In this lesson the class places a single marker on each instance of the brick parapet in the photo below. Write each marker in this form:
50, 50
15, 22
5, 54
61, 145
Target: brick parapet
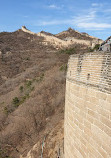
93, 69
88, 106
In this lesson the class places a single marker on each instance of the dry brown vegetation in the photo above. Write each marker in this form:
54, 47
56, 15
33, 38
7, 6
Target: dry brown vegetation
32, 93
72, 33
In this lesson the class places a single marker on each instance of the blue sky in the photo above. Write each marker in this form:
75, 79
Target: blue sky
91, 16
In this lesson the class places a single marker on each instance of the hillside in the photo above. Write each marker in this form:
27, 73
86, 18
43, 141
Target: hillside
74, 34
32, 93
18, 51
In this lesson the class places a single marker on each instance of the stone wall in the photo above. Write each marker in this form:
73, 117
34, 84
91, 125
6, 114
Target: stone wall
56, 42
26, 30
88, 106
61, 43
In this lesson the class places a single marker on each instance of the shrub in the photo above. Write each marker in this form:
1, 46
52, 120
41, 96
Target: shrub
27, 58
26, 91
91, 50
68, 51
6, 111
16, 102
28, 83
42, 76
63, 67
96, 46
21, 88
24, 98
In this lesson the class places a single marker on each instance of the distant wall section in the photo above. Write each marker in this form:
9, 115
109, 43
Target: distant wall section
61, 43
88, 106
26, 30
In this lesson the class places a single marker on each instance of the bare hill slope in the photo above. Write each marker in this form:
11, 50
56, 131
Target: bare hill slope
73, 33
32, 92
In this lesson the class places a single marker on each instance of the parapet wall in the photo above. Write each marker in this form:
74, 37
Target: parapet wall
88, 106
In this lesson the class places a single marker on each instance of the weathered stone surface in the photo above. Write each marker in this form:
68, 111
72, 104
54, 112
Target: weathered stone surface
88, 106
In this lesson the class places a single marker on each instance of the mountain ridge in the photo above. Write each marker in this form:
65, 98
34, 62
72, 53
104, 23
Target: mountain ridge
67, 38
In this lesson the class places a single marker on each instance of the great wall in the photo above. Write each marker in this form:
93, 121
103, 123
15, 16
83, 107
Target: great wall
62, 43
88, 106
87, 119
87, 126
